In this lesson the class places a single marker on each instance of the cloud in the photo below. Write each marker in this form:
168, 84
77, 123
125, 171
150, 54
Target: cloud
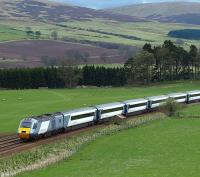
100, 4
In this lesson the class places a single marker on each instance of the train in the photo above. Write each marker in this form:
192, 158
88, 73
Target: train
36, 127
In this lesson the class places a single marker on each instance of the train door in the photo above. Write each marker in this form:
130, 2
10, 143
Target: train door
53, 123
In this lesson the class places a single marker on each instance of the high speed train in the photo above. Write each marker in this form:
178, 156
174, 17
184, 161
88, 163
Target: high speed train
35, 127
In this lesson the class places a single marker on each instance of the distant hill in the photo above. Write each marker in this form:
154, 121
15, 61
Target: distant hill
43, 10
172, 12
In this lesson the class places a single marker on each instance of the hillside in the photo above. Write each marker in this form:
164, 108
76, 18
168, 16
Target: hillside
76, 24
175, 12
47, 11
22, 54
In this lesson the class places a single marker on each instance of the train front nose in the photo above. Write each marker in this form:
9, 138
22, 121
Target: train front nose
24, 133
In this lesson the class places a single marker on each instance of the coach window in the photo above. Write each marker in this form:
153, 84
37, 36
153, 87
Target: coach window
112, 110
82, 116
194, 95
137, 105
181, 97
159, 101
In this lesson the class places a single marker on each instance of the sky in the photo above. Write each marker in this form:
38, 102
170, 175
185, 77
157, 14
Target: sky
100, 4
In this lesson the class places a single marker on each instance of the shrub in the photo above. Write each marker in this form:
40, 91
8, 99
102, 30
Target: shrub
171, 108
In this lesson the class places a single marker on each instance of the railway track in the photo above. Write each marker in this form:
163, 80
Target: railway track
8, 143
12, 144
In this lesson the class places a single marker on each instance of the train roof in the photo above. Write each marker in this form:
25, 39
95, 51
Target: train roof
109, 105
135, 101
177, 94
193, 92
159, 97
44, 117
79, 110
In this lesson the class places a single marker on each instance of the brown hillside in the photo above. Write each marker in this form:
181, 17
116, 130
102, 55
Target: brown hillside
34, 53
54, 12
178, 12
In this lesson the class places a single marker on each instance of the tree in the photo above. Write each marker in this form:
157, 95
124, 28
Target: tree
54, 35
192, 55
139, 69
131, 70
70, 76
171, 108
146, 61
38, 34
30, 33
147, 47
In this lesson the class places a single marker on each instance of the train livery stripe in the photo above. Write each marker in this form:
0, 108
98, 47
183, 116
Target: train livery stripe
44, 127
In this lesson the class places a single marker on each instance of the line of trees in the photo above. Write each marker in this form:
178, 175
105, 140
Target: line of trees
61, 77
102, 76
161, 63
33, 34
185, 34
151, 64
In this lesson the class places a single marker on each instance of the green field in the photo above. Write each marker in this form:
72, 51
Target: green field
18, 104
154, 32
165, 148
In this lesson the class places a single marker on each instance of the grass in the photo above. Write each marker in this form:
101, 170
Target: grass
148, 31
155, 32
18, 104
7, 33
164, 148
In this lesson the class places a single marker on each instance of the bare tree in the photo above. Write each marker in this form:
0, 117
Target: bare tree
54, 35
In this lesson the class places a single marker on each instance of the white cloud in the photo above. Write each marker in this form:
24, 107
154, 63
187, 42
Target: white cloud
98, 4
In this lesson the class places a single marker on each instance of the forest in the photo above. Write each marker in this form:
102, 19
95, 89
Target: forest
152, 64
193, 34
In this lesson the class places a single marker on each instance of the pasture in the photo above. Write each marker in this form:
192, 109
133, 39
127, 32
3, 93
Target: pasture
164, 148
18, 104
98, 30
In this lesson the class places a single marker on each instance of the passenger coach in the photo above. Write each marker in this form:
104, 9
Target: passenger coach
79, 117
157, 101
135, 106
109, 110
193, 96
179, 97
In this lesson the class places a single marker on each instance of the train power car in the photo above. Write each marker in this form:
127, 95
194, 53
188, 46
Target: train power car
40, 126
156, 101
193, 96
79, 117
135, 106
106, 111
178, 97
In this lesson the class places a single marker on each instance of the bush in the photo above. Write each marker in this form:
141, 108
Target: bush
171, 108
